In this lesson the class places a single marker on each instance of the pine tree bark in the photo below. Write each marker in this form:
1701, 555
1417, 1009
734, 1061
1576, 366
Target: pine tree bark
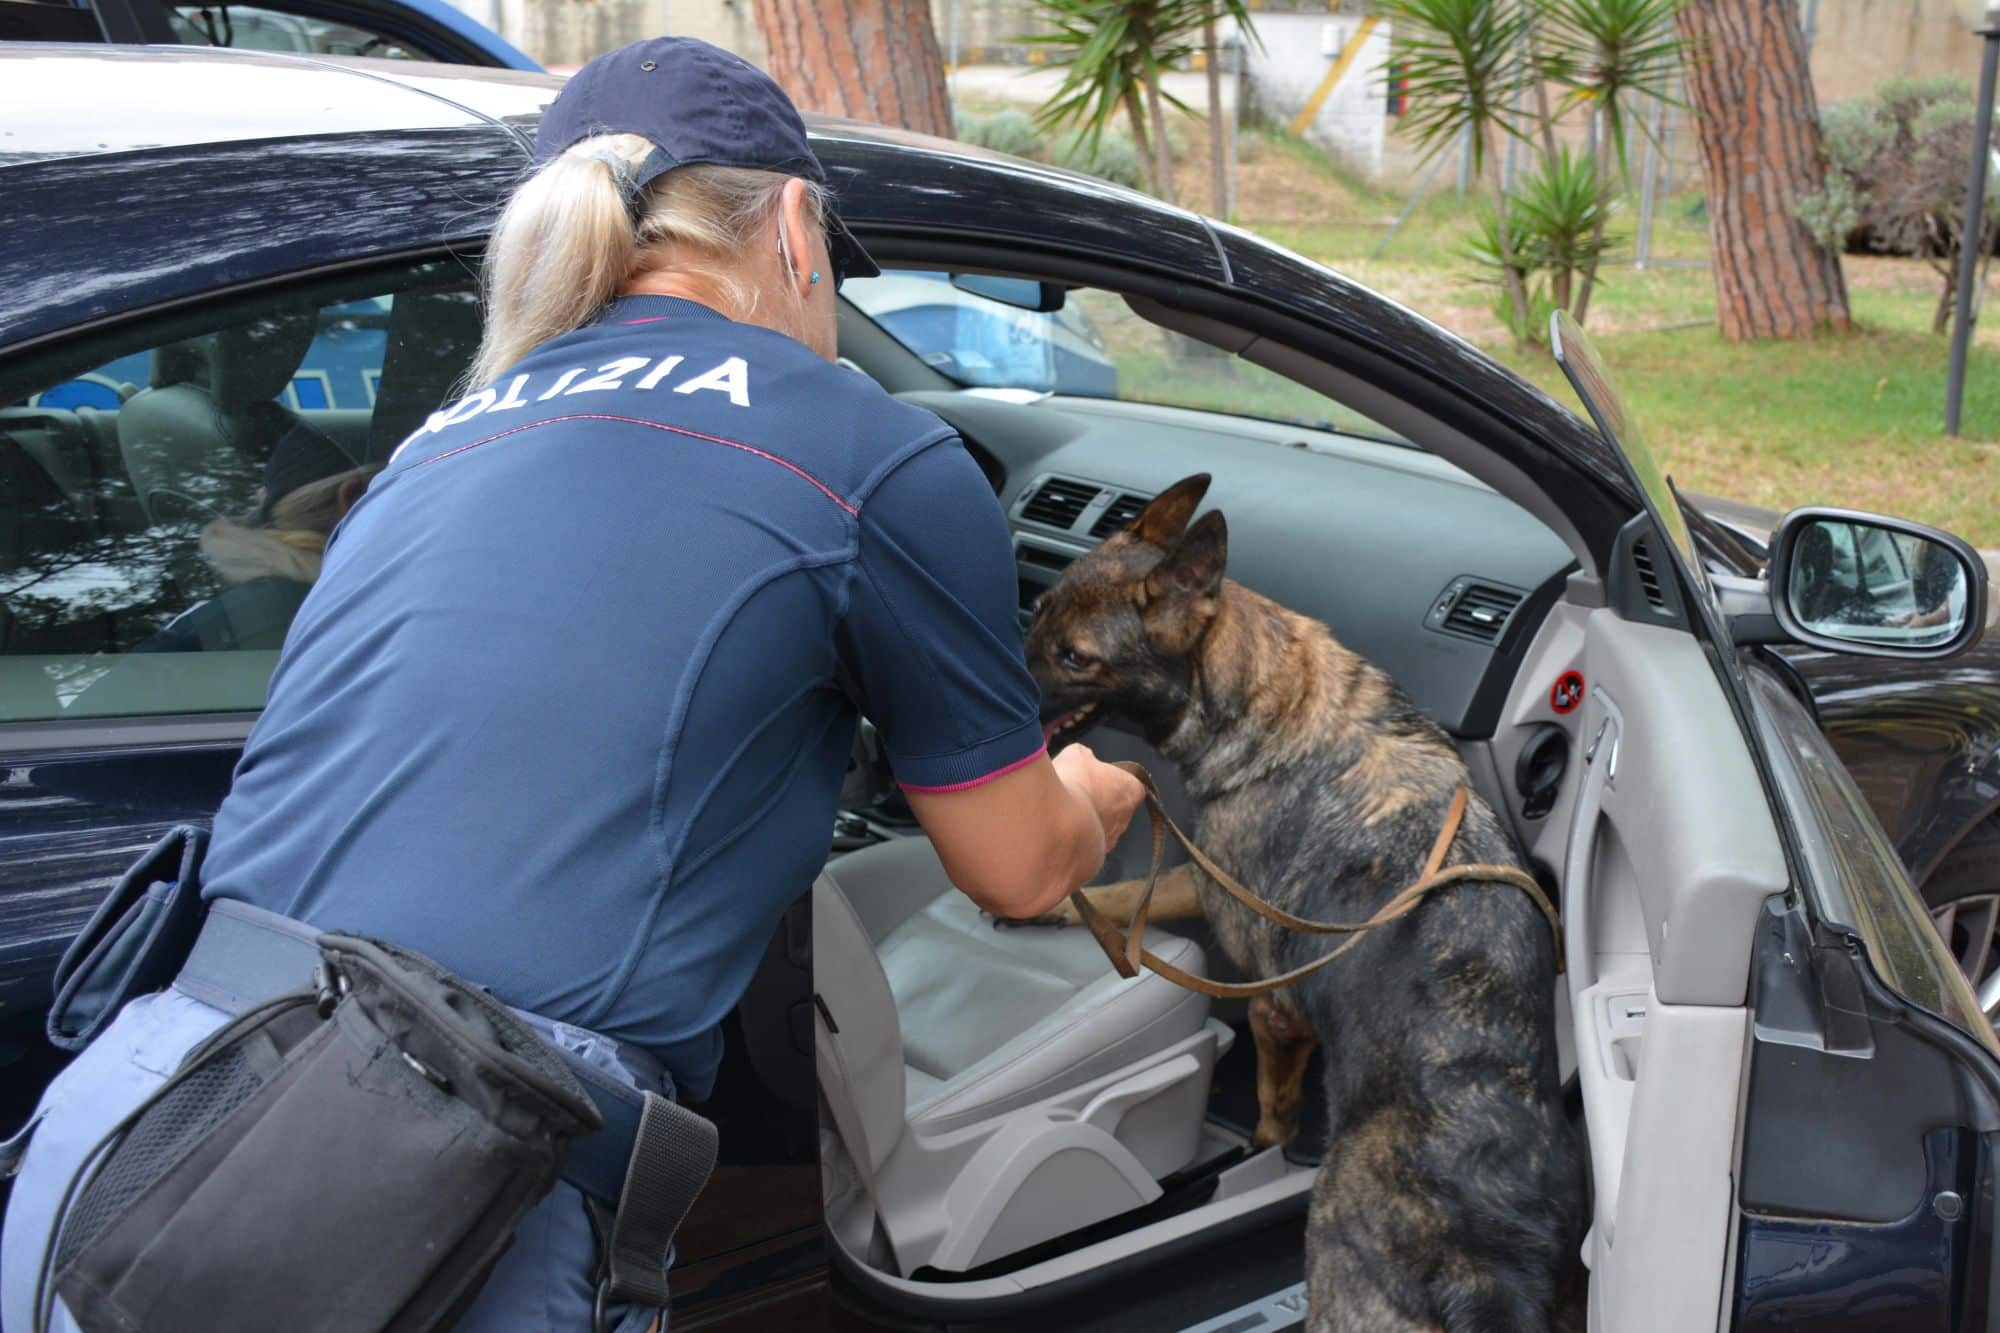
1751, 89
865, 59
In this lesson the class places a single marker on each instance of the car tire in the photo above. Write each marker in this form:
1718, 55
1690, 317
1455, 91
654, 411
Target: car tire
1963, 895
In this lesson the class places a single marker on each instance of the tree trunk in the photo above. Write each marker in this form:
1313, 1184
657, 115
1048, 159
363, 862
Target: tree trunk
1503, 234
1605, 195
1218, 166
1142, 143
866, 59
1942, 264
1163, 160
1751, 90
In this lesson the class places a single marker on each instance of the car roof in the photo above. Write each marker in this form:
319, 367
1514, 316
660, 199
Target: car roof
60, 99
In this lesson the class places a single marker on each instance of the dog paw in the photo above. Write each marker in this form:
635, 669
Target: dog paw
1063, 916
1271, 1133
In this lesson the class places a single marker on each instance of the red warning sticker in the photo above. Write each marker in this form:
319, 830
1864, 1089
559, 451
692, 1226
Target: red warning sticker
1567, 692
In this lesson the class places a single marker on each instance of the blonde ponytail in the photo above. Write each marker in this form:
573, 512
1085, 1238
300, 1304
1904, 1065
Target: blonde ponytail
566, 243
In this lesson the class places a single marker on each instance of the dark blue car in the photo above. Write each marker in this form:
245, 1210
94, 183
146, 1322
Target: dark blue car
1742, 770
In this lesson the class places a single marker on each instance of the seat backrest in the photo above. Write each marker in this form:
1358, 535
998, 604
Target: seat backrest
195, 443
857, 1040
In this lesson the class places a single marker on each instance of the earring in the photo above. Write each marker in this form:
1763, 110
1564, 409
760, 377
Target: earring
815, 276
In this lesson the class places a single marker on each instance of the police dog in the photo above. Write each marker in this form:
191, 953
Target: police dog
1451, 1193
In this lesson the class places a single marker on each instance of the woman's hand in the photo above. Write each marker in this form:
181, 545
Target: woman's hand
1113, 793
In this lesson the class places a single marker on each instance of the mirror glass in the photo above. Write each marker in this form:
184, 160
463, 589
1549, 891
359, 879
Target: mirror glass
1860, 583
1021, 293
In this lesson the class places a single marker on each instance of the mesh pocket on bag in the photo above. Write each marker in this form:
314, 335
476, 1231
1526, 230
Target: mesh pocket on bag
162, 1136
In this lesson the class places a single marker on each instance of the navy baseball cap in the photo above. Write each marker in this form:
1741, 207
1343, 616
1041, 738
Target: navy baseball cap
696, 103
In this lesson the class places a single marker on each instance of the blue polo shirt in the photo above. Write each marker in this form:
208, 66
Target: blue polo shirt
570, 705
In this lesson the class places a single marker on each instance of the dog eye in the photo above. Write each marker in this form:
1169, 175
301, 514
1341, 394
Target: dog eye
1075, 660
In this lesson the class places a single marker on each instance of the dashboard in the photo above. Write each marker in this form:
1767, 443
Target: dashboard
1427, 572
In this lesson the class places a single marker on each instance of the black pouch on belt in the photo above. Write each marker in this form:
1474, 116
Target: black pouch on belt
134, 942
351, 1157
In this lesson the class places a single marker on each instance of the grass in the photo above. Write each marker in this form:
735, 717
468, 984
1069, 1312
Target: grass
1851, 420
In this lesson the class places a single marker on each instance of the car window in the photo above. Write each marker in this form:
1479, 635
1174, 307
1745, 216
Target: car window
1096, 346
165, 497
256, 29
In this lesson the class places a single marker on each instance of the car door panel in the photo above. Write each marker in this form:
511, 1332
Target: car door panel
70, 825
1668, 855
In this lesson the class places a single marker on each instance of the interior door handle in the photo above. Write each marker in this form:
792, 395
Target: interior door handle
1600, 763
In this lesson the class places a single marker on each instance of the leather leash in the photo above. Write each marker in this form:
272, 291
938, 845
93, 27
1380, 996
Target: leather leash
1128, 953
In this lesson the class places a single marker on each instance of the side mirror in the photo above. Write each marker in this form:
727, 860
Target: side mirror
1880, 587
1022, 293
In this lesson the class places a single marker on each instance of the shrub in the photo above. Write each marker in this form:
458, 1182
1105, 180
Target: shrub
1004, 132
1559, 220
1115, 159
1895, 177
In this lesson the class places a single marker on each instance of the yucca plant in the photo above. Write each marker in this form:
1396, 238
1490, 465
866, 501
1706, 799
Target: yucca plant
1470, 67
1608, 55
1113, 53
1559, 218
1462, 70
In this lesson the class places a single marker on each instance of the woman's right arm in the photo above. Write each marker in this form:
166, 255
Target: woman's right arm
1019, 844
931, 645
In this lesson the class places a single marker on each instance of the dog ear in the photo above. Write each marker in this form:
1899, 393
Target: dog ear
1193, 567
1178, 599
1167, 516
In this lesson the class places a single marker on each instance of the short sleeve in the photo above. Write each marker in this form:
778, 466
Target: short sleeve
931, 644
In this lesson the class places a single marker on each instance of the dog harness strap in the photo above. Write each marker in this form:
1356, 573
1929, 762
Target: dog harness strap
1127, 952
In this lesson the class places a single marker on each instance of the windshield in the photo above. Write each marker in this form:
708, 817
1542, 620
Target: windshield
1095, 346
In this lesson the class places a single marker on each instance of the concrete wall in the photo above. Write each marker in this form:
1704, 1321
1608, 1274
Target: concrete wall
1859, 43
1299, 50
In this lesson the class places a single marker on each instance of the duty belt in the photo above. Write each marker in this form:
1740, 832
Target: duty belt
646, 1165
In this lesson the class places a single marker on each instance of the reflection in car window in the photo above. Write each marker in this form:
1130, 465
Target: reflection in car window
1096, 346
165, 499
255, 29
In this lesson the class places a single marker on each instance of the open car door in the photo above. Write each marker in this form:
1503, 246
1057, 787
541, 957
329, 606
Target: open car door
1791, 1093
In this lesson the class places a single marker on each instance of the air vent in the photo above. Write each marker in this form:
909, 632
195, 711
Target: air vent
1649, 577
1035, 555
1118, 516
1473, 609
1059, 503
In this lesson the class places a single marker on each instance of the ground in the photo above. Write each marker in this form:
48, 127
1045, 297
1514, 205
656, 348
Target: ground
1850, 420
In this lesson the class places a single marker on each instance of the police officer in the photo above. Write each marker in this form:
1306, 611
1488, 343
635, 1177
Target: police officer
569, 707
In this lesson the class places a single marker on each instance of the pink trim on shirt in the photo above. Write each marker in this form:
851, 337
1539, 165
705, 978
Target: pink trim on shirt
768, 457
649, 319
1022, 762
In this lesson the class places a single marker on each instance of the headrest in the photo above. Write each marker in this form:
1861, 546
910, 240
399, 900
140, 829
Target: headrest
302, 455
247, 363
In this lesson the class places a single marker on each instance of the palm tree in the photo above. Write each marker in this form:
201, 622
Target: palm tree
1113, 53
1462, 68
